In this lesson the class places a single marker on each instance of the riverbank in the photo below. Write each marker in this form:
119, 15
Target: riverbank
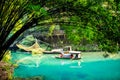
96, 56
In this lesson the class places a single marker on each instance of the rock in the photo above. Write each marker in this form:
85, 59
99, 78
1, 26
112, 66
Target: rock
105, 55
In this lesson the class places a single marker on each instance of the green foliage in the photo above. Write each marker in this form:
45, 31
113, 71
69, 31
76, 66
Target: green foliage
83, 20
7, 57
7, 66
18, 26
88, 33
28, 40
37, 9
57, 27
72, 34
76, 33
12, 12
109, 46
51, 29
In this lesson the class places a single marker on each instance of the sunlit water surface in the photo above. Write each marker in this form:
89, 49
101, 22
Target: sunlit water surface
64, 69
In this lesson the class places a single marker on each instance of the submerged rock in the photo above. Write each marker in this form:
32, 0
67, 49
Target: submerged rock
105, 55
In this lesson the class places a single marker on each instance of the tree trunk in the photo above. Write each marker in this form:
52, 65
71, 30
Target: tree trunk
5, 46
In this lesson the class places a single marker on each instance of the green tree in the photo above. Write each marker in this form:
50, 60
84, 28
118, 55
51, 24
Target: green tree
15, 17
93, 20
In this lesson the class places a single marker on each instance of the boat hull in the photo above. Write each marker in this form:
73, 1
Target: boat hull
67, 58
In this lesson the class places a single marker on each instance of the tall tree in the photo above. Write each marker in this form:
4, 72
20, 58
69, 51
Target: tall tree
12, 11
88, 19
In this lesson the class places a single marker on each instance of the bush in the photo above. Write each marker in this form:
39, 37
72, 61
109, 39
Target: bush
6, 68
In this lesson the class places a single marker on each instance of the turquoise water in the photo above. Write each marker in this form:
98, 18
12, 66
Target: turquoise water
62, 69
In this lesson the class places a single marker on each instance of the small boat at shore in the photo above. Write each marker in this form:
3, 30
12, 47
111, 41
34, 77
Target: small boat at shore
69, 54
68, 58
65, 53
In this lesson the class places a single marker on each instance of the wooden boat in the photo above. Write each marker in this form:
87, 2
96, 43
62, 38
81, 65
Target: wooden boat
65, 53
69, 54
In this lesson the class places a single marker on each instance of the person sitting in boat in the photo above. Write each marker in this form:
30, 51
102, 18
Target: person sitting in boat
76, 56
